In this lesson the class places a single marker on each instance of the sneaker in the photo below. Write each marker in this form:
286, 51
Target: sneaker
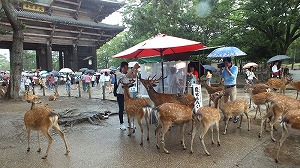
122, 127
235, 120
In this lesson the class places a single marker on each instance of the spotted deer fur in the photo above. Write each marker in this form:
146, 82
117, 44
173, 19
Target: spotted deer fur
41, 118
296, 86
234, 108
207, 117
290, 121
136, 107
169, 114
161, 98
280, 84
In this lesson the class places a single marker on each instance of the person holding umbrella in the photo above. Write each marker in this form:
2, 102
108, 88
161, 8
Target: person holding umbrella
229, 72
208, 76
275, 70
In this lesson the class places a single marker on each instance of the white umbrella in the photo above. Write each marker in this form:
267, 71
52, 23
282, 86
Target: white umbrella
250, 64
66, 70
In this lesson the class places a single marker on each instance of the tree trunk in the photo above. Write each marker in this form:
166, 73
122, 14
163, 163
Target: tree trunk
16, 63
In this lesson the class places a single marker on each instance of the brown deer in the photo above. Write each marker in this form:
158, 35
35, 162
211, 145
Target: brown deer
169, 114
207, 116
296, 86
280, 84
53, 97
234, 108
258, 94
136, 107
29, 97
291, 120
161, 98
211, 90
279, 106
41, 118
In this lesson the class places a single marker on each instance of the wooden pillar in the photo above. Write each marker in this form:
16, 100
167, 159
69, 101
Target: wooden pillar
49, 57
73, 58
94, 54
41, 58
61, 61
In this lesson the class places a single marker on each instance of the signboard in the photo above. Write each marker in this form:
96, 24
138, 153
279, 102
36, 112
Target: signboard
33, 7
198, 96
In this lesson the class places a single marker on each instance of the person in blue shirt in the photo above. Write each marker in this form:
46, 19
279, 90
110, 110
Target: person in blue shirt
229, 72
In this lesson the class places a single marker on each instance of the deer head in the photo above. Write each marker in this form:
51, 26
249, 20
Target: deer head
150, 83
129, 84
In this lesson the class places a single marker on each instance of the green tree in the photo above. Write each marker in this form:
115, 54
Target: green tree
4, 63
29, 61
276, 20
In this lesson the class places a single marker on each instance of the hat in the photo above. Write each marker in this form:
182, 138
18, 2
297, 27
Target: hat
228, 59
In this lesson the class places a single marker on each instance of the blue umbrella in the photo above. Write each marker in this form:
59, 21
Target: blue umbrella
226, 52
209, 67
278, 58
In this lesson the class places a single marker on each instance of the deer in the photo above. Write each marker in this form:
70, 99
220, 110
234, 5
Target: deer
169, 114
208, 117
161, 98
279, 106
40, 118
53, 97
29, 97
296, 86
211, 90
136, 107
280, 84
290, 121
233, 109
258, 94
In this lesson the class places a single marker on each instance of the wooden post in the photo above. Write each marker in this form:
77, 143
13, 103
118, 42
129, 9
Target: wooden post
56, 89
89, 90
44, 89
69, 90
103, 92
79, 90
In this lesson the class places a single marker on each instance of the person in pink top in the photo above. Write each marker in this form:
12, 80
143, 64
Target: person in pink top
87, 80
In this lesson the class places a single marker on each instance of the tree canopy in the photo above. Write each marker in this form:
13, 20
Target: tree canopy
261, 28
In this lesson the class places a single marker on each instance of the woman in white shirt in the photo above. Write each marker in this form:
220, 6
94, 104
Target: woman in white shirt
251, 75
275, 70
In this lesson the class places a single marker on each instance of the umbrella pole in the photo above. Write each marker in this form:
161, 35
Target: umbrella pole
162, 71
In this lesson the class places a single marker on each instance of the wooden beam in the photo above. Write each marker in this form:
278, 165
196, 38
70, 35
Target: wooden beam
67, 2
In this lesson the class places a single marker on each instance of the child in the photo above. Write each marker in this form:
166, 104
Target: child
208, 77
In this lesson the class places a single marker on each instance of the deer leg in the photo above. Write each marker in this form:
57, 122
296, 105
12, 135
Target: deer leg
47, 135
147, 122
212, 134
62, 135
139, 119
164, 129
297, 95
248, 118
28, 139
226, 125
182, 134
264, 118
129, 123
156, 133
202, 134
218, 133
284, 135
241, 120
196, 127
39, 144
272, 122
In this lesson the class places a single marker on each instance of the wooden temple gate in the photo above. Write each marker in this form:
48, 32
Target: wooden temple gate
71, 27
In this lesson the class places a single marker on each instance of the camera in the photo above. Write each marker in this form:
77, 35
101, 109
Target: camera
221, 65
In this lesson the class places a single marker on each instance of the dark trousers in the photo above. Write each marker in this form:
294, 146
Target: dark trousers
120, 99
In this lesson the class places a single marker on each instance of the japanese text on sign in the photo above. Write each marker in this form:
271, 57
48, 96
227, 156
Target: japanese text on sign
33, 7
198, 96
